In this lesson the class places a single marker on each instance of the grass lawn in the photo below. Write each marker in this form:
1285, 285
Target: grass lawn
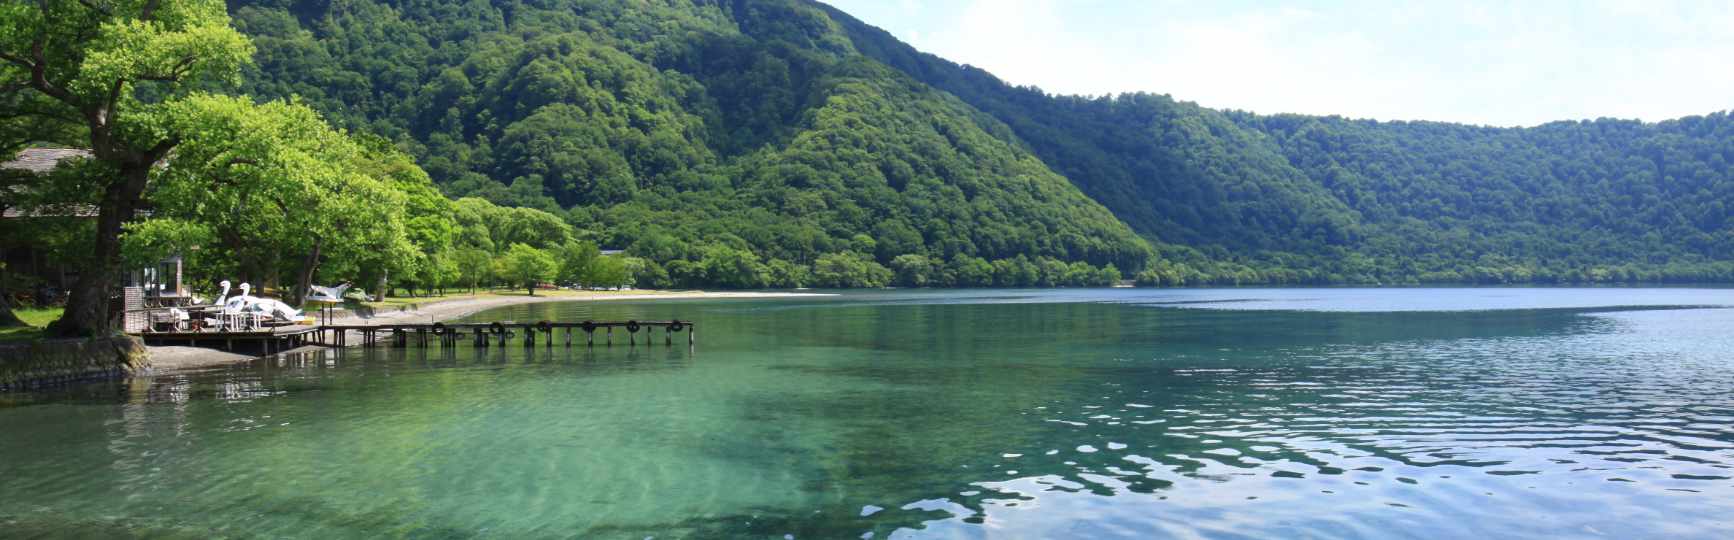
36, 318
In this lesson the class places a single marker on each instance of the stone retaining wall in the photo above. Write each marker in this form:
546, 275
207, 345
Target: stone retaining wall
59, 361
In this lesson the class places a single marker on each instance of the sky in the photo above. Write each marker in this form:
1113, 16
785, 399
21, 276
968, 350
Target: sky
1509, 63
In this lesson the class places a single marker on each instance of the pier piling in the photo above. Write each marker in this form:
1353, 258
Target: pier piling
448, 335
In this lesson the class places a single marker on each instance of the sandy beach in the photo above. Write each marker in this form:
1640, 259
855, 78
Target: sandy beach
166, 359
454, 307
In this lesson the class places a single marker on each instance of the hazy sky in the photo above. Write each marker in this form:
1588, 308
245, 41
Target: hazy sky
1517, 62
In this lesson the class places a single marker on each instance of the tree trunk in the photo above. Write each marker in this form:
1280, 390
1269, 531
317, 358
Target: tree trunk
7, 318
532, 288
87, 307
304, 281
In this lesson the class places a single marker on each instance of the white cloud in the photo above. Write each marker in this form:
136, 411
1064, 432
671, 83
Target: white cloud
1518, 63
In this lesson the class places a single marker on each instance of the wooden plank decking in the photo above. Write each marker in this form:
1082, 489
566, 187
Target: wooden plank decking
269, 339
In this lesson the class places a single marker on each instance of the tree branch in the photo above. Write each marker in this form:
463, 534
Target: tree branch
112, 101
17, 114
162, 148
39, 73
175, 73
96, 8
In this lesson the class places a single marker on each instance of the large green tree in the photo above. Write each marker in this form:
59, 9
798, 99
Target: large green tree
110, 69
278, 189
527, 266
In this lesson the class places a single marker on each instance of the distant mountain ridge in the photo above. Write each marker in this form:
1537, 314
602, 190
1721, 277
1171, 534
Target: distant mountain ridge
1379, 201
790, 129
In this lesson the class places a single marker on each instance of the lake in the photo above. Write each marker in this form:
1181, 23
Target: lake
1223, 413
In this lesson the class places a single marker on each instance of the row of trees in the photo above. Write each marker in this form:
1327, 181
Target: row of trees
721, 265
725, 266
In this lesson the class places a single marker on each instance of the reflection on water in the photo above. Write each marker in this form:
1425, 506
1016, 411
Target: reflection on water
1242, 413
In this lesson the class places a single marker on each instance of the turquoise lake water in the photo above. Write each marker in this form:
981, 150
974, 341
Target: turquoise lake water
1255, 413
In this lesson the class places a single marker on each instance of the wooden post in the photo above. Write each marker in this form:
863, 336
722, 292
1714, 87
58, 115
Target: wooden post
589, 338
667, 337
610, 336
568, 336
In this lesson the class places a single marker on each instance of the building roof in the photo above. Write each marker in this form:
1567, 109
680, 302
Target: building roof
68, 210
41, 160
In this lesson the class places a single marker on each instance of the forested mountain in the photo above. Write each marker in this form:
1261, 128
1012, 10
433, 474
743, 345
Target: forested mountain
670, 129
793, 134
1303, 198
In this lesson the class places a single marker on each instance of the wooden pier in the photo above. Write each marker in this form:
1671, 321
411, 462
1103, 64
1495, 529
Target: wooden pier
500, 332
268, 340
282, 338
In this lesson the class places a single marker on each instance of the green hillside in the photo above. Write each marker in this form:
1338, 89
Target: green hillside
1301, 198
788, 131
670, 129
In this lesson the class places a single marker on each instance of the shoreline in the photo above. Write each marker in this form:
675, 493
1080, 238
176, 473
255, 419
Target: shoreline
171, 359
453, 307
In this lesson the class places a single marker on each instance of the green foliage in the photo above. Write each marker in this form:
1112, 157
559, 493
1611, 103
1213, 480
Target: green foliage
475, 266
849, 270
913, 270
109, 77
727, 266
610, 272
670, 129
62, 241
527, 267
752, 144
578, 261
783, 274
273, 181
1237, 198
148, 241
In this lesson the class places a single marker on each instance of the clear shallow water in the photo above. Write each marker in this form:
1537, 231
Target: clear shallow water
1347, 413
